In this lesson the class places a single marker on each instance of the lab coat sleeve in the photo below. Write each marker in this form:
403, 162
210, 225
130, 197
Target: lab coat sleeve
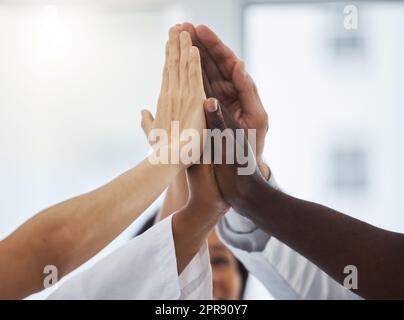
285, 273
144, 268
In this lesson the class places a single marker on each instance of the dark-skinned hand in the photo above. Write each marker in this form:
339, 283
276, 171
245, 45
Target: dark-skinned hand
234, 187
226, 79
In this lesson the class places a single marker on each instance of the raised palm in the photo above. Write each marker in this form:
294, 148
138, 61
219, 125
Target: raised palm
226, 79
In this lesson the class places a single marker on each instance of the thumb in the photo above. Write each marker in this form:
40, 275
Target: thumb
214, 115
147, 122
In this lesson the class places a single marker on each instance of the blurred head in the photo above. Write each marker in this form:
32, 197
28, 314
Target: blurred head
229, 275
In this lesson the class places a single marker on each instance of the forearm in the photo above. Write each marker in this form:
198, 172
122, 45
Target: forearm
68, 234
332, 240
176, 196
191, 228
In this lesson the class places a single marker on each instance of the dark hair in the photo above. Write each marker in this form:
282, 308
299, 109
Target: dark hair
243, 271
244, 277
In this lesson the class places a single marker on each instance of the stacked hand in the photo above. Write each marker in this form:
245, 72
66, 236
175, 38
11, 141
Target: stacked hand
181, 98
225, 78
188, 74
236, 189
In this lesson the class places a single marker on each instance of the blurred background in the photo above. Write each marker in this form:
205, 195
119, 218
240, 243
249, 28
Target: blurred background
74, 75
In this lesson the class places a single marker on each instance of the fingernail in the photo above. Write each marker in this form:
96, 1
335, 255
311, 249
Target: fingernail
193, 50
212, 107
183, 35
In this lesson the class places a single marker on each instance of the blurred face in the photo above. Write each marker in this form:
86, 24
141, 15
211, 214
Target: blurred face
227, 280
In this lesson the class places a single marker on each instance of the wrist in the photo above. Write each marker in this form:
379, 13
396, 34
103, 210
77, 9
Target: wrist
190, 234
253, 194
203, 216
164, 156
195, 222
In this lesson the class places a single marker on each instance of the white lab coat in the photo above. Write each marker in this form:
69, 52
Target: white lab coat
285, 273
144, 268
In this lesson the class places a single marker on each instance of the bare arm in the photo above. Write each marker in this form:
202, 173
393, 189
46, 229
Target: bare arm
224, 77
333, 240
193, 196
194, 222
176, 196
68, 234
328, 238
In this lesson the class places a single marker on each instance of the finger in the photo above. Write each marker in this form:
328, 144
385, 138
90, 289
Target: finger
189, 27
210, 72
185, 45
195, 69
164, 83
211, 104
231, 67
248, 92
223, 56
218, 118
173, 57
214, 115
241, 79
208, 63
215, 121
147, 122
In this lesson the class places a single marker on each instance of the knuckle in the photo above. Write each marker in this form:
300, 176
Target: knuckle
193, 72
264, 119
252, 86
263, 122
183, 64
173, 62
